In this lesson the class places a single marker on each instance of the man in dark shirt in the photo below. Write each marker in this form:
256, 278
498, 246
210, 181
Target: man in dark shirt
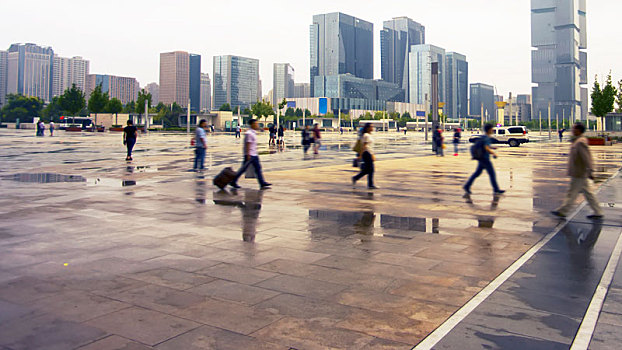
130, 133
484, 163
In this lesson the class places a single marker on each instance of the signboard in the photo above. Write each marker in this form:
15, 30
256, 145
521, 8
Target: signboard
323, 105
291, 104
420, 113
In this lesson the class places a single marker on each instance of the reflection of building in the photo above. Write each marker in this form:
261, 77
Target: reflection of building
396, 38
456, 86
4, 55
67, 72
421, 59
29, 70
559, 61
283, 80
482, 95
302, 90
154, 90
123, 88
236, 81
206, 92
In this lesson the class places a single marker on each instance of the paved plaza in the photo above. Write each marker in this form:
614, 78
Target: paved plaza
99, 253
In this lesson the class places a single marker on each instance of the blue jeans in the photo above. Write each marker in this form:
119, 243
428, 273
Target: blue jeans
254, 161
482, 165
129, 143
199, 158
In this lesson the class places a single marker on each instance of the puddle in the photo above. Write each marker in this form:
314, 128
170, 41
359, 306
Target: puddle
45, 178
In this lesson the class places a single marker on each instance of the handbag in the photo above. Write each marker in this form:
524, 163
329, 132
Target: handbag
250, 172
358, 146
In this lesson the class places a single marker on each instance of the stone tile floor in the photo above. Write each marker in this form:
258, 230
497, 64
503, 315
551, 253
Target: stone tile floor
97, 253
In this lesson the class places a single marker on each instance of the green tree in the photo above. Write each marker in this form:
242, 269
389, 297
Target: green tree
114, 106
22, 107
161, 106
140, 102
72, 100
307, 113
290, 112
129, 107
603, 99
299, 112
619, 97
97, 100
379, 115
407, 116
329, 115
53, 110
225, 107
262, 109
246, 111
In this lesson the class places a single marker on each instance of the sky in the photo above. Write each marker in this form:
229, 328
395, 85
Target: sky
126, 37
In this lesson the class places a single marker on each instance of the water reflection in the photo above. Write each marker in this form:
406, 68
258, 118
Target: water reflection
45, 178
250, 206
582, 235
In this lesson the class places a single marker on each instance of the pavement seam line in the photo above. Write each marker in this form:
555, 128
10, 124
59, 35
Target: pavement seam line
441, 331
588, 325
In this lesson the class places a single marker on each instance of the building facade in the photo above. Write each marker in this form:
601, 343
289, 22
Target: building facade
175, 78
283, 80
154, 90
456, 86
350, 87
341, 44
29, 70
302, 90
67, 72
206, 92
236, 81
396, 38
482, 97
421, 58
194, 80
4, 62
559, 61
124, 89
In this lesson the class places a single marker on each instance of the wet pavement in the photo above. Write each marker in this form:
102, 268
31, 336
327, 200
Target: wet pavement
98, 253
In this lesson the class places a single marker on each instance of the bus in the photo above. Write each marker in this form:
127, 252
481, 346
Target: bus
83, 123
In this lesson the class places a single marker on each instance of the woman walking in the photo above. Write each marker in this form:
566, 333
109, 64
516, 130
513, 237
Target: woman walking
130, 133
367, 155
316, 139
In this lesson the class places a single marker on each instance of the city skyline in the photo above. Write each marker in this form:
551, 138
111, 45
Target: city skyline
490, 52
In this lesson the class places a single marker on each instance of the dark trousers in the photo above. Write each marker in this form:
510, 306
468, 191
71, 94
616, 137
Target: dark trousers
130, 146
199, 158
254, 162
367, 169
237, 134
481, 166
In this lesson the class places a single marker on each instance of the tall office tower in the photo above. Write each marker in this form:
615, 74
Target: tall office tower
67, 72
341, 44
259, 90
524, 108
421, 58
206, 92
175, 78
396, 39
123, 88
283, 78
456, 85
4, 61
482, 95
195, 82
29, 70
302, 90
236, 81
559, 59
154, 90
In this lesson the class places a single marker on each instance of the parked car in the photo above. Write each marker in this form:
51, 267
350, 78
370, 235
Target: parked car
512, 135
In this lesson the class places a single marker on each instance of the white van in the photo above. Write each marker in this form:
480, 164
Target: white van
511, 135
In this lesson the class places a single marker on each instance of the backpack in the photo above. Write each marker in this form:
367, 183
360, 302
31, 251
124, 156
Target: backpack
358, 146
478, 152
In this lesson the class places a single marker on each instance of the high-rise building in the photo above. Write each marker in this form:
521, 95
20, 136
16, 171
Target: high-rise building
456, 85
67, 72
302, 90
154, 90
236, 81
396, 38
341, 44
175, 78
559, 61
482, 95
123, 88
283, 78
518, 109
29, 70
194, 80
4, 61
206, 92
421, 58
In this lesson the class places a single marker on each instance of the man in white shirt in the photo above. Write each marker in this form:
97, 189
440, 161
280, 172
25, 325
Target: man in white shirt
200, 139
251, 157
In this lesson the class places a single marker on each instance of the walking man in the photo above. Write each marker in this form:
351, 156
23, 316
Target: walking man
280, 133
130, 133
457, 136
251, 156
51, 128
367, 155
237, 131
580, 169
482, 150
200, 140
561, 134
317, 136
306, 139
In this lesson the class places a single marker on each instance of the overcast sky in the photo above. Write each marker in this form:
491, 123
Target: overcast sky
126, 37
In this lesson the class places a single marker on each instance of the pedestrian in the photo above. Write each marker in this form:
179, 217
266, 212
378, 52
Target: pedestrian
457, 136
366, 154
439, 142
580, 169
306, 139
237, 131
40, 128
130, 134
200, 141
51, 128
280, 133
251, 156
561, 134
316, 139
482, 150
405, 129
272, 130
341, 130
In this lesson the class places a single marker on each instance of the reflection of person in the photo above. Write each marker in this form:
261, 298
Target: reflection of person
200, 138
130, 133
580, 169
367, 155
251, 156
484, 163
250, 213
306, 139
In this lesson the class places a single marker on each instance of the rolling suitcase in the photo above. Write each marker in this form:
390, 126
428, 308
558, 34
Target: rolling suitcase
224, 178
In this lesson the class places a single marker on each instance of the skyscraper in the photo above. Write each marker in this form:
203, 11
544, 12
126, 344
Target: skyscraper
302, 90
283, 78
194, 80
456, 85
236, 81
67, 72
483, 95
175, 78
396, 39
4, 61
421, 58
154, 90
341, 44
559, 61
206, 92
123, 88
29, 70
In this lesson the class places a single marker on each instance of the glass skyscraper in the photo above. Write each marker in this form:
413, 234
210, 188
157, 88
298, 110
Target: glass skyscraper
283, 80
236, 81
341, 44
421, 58
396, 39
559, 61
483, 95
195, 82
456, 85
